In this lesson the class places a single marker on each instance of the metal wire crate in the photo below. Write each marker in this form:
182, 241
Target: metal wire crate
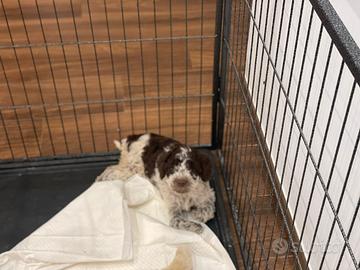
270, 87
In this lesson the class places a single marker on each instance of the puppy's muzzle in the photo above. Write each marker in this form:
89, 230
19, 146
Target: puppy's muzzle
181, 185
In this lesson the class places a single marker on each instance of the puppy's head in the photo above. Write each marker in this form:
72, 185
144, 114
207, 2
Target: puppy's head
183, 168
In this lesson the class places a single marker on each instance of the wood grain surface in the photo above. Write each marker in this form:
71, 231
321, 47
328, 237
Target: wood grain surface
75, 75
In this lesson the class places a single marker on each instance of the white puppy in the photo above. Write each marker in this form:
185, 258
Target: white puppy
180, 173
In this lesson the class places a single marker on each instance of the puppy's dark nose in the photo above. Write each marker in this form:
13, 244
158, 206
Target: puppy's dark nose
181, 182
181, 185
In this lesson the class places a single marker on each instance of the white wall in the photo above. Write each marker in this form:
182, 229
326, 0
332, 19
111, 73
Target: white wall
352, 192
349, 12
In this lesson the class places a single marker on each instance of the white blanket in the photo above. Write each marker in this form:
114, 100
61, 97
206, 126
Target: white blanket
114, 225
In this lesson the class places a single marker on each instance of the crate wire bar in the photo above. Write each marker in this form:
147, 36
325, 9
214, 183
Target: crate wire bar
278, 184
271, 86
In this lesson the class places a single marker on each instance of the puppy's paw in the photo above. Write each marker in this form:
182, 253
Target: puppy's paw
203, 214
195, 227
188, 225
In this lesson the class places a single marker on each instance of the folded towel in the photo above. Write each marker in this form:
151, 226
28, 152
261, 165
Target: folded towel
114, 225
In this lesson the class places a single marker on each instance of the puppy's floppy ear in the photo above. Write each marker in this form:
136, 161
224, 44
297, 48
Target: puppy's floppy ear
200, 164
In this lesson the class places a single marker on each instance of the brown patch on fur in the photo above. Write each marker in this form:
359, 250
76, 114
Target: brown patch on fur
132, 138
154, 153
168, 161
199, 164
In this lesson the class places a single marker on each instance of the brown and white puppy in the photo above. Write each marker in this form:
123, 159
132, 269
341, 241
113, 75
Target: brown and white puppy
181, 174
